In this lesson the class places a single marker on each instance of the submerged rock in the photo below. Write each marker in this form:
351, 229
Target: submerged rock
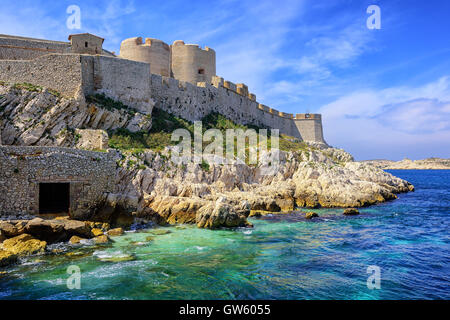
116, 257
115, 232
7, 258
160, 232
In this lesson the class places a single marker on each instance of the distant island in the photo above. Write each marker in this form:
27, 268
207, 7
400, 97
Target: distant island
425, 164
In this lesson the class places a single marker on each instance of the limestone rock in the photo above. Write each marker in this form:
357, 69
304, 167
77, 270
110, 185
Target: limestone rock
24, 245
310, 215
101, 239
351, 212
75, 239
97, 232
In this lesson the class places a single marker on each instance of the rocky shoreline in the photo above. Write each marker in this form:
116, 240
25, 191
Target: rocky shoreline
150, 188
20, 238
407, 164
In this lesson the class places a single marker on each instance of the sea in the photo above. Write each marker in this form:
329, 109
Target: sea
396, 250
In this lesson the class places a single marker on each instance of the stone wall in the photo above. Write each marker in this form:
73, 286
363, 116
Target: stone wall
61, 72
20, 48
120, 79
90, 174
193, 102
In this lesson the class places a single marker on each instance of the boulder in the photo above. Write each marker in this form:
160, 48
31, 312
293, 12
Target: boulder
75, 239
219, 214
351, 212
310, 215
47, 230
115, 232
77, 228
8, 229
7, 258
101, 239
96, 232
24, 244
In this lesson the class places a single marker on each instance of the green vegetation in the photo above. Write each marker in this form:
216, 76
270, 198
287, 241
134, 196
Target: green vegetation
204, 165
164, 123
27, 86
108, 103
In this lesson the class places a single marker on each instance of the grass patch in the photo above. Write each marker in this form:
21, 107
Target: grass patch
108, 103
164, 123
27, 86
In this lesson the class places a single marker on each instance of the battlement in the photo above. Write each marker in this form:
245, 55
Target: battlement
153, 51
179, 78
308, 116
191, 45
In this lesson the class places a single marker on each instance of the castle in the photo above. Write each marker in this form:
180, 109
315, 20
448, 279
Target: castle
179, 78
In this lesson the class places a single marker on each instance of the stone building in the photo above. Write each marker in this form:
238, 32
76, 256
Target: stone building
86, 43
41, 180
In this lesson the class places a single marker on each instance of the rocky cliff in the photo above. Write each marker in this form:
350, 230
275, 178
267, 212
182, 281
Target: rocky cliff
151, 187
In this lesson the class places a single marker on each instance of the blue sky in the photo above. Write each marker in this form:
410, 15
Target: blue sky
383, 93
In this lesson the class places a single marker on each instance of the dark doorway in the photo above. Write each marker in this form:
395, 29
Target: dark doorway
54, 198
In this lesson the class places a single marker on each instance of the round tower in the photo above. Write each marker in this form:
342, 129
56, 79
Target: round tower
153, 51
191, 63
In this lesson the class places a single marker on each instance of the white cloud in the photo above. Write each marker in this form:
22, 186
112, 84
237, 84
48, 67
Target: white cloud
393, 122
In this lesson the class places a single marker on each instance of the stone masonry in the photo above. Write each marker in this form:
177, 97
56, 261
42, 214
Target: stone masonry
191, 91
22, 169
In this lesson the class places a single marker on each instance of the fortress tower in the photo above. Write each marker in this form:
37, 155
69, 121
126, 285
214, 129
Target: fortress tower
153, 51
309, 127
193, 64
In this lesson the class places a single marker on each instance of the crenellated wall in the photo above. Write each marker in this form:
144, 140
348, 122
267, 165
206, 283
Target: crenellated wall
179, 79
193, 102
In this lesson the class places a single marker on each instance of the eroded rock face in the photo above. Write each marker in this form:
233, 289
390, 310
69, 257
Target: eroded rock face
41, 118
168, 194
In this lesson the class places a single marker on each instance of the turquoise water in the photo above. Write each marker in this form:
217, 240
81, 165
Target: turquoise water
283, 257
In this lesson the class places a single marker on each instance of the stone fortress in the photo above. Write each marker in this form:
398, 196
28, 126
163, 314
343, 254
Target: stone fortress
179, 78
